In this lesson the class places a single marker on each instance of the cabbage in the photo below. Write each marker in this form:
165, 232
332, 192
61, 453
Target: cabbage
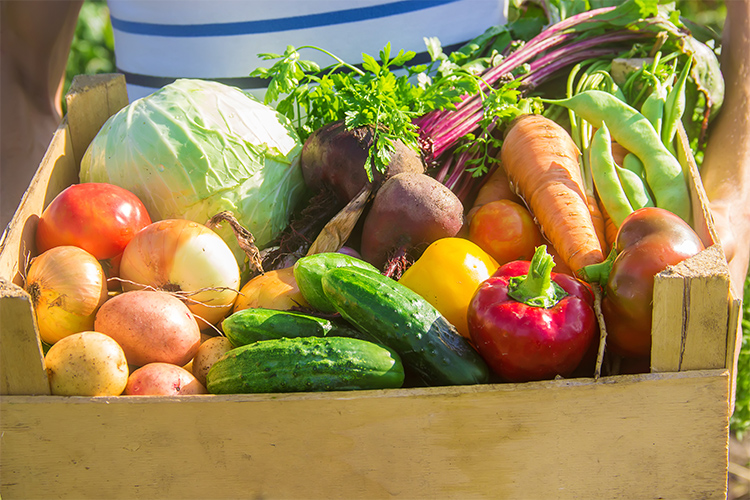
196, 148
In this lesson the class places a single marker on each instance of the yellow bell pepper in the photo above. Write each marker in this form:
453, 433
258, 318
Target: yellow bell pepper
447, 274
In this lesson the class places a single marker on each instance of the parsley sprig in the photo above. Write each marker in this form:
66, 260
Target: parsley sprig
373, 95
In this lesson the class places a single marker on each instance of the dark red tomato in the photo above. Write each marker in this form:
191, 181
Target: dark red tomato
650, 220
98, 217
649, 240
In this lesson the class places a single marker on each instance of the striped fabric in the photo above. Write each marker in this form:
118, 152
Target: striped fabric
157, 41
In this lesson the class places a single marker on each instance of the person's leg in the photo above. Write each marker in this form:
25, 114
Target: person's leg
35, 42
726, 164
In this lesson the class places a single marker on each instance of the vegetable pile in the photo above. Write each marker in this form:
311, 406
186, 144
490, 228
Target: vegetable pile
497, 215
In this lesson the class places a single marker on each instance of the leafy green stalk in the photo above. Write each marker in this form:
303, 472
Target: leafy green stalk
373, 96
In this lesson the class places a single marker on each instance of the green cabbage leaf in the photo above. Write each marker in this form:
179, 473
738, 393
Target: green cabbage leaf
195, 148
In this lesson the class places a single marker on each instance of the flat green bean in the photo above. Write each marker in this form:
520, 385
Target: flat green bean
653, 106
635, 133
674, 107
604, 172
632, 183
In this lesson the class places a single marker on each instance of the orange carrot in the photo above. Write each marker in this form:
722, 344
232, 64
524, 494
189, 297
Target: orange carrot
599, 220
541, 161
610, 230
618, 153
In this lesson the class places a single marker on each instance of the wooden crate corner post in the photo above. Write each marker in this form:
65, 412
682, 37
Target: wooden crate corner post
22, 368
691, 318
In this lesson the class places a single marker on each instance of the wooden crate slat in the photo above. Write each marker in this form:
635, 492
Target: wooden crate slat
646, 436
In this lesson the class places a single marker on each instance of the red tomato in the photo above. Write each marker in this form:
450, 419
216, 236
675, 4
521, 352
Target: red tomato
649, 240
505, 230
100, 218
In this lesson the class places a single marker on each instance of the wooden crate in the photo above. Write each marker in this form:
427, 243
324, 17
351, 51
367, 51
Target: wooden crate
657, 435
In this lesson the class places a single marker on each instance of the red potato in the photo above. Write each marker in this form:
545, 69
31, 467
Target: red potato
163, 379
150, 326
409, 212
335, 157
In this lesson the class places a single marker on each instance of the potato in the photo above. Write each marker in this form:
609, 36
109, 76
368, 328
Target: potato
86, 364
209, 351
162, 379
151, 326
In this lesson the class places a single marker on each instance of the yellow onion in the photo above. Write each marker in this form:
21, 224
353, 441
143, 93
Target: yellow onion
67, 286
185, 258
275, 289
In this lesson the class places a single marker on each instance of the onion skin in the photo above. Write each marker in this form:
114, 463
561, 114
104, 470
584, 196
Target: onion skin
182, 256
275, 289
67, 287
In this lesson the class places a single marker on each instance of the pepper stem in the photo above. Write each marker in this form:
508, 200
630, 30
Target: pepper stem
599, 273
537, 289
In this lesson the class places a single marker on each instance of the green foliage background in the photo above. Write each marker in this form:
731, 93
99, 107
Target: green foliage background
93, 47
92, 52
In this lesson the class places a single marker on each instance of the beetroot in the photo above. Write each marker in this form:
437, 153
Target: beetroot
410, 211
334, 157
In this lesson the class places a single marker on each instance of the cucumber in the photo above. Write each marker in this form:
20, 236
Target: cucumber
305, 364
401, 319
250, 325
309, 270
254, 324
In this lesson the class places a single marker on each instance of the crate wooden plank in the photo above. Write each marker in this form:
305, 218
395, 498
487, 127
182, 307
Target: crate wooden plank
91, 100
56, 172
646, 436
691, 314
21, 361
703, 221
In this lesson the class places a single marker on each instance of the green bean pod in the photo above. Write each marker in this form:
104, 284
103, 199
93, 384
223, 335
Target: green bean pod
653, 107
635, 133
606, 180
674, 107
630, 175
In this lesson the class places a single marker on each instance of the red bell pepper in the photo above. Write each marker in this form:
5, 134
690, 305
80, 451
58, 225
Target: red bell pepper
529, 323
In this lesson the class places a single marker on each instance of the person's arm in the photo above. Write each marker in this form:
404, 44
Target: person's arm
36, 39
726, 165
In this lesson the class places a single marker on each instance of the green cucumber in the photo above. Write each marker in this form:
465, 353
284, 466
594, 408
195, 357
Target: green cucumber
305, 364
309, 270
254, 324
399, 318
250, 325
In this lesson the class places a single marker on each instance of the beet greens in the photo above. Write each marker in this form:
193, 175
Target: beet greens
453, 110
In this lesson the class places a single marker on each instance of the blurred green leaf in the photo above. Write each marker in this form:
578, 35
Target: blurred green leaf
93, 47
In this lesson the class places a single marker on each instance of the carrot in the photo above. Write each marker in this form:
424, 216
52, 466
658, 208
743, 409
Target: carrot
541, 161
495, 187
618, 153
598, 219
610, 230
